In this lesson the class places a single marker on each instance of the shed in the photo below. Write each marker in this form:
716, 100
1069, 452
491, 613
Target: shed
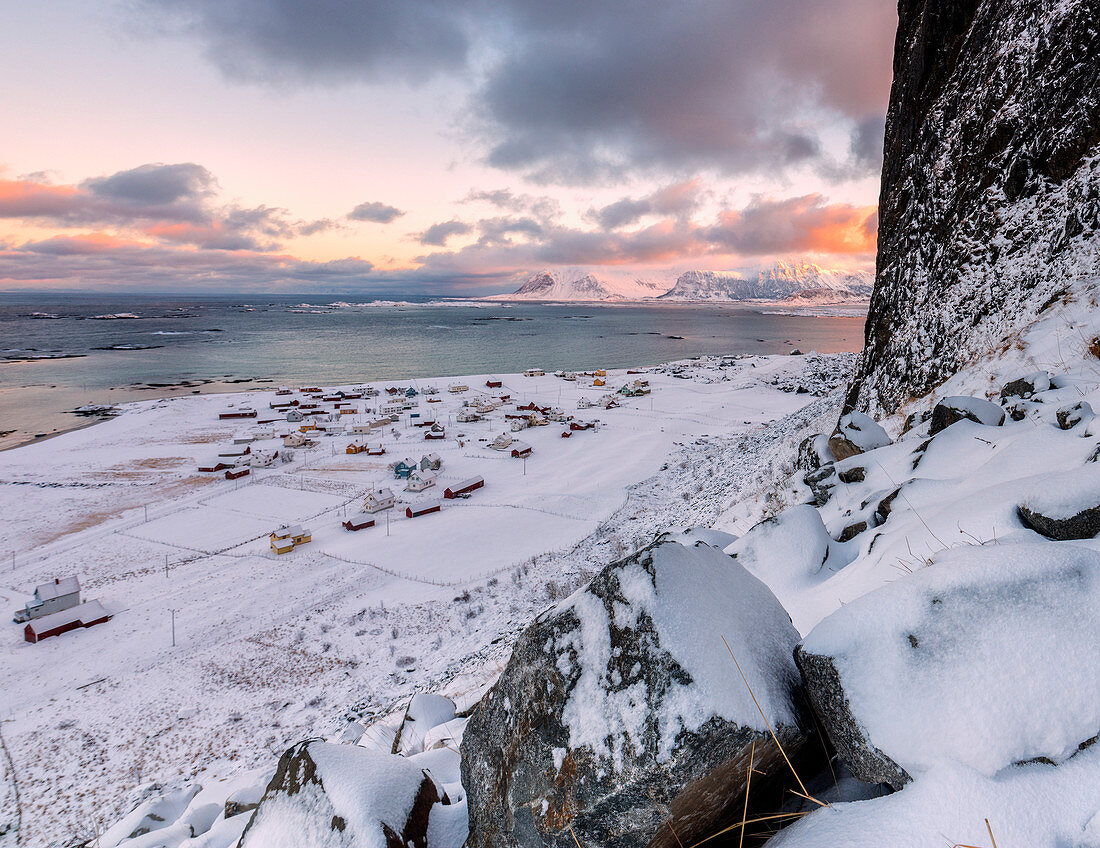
236, 473
424, 508
521, 450
464, 488
244, 412
494, 384
359, 521
375, 449
83, 615
214, 465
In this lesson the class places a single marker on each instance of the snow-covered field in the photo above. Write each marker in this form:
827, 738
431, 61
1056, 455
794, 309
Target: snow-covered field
272, 649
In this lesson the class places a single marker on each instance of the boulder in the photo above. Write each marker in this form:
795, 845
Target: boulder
425, 711
1064, 507
855, 474
813, 452
851, 531
960, 407
915, 419
325, 795
984, 659
621, 719
856, 433
1026, 387
1077, 413
821, 483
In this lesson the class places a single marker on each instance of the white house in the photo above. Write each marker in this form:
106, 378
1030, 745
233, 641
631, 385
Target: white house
501, 442
534, 372
378, 500
420, 480
62, 594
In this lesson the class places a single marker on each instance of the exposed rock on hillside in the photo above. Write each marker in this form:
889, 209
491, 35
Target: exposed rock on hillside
990, 201
622, 720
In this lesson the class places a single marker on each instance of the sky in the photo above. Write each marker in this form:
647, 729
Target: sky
434, 146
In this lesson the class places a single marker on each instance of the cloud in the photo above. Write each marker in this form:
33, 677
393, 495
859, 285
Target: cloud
798, 224
437, 234
679, 200
576, 91
375, 212
173, 203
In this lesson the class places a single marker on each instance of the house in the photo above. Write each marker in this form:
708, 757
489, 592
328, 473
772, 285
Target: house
599, 382
420, 480
359, 521
519, 424
392, 390
430, 462
294, 416
263, 459
494, 384
468, 416
410, 392
87, 614
243, 412
457, 388
355, 447
570, 376
307, 426
581, 425
309, 390
533, 407
62, 594
599, 372
288, 537
296, 440
235, 451
283, 404
464, 488
430, 390
378, 500
501, 442
424, 422
402, 469
436, 432
565, 434
425, 508
521, 450
375, 449
243, 438
213, 465
584, 403
534, 372
236, 473
391, 408
283, 390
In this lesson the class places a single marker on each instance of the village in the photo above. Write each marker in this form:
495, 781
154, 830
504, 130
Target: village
351, 540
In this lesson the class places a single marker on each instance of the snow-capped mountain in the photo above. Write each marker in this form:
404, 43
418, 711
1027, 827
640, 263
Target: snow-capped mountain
564, 286
778, 281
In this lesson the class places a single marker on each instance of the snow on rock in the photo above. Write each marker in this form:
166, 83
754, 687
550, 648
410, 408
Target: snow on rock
1074, 414
621, 709
1064, 506
985, 659
153, 814
959, 408
342, 796
707, 536
856, 433
425, 712
1026, 387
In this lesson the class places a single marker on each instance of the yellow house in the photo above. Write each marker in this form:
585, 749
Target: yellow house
307, 426
599, 382
287, 538
600, 373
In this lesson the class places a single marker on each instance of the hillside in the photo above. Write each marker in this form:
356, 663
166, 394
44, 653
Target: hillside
559, 286
778, 281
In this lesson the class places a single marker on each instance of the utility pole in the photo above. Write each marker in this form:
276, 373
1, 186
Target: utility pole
173, 627
146, 506
166, 565
388, 521
525, 466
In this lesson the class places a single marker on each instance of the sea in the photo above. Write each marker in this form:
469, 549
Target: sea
59, 353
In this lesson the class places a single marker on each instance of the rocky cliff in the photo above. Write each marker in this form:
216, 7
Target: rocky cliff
990, 200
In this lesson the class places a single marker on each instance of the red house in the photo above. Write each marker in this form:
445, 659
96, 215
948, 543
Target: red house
236, 473
521, 450
425, 508
360, 521
493, 384
464, 488
238, 413
87, 614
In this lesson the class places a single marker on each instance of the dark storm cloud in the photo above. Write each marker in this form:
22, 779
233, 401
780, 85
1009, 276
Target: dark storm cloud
375, 213
155, 185
678, 200
576, 91
437, 234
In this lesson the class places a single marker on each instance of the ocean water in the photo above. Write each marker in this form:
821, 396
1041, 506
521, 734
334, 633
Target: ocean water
57, 352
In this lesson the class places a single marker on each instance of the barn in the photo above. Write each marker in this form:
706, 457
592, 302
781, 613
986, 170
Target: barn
87, 614
521, 450
236, 473
214, 465
243, 412
425, 508
359, 521
493, 384
464, 488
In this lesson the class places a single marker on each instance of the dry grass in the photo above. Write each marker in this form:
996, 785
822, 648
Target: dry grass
991, 839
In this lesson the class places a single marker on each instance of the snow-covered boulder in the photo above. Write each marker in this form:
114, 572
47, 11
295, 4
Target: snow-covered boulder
1064, 506
425, 711
986, 658
621, 717
960, 408
705, 535
1070, 416
856, 433
153, 814
1026, 387
813, 452
325, 795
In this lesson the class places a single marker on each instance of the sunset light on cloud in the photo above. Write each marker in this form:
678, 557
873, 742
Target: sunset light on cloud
434, 147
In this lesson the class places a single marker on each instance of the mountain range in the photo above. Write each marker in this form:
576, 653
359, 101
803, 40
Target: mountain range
781, 280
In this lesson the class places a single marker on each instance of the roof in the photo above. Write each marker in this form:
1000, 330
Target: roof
520, 446
64, 586
84, 613
465, 484
381, 494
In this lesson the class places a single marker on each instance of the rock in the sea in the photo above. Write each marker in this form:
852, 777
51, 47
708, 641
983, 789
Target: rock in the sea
985, 658
342, 796
1026, 387
856, 433
621, 719
962, 408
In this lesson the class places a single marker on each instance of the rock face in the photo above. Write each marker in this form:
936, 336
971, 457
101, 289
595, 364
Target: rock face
341, 796
990, 199
959, 408
622, 720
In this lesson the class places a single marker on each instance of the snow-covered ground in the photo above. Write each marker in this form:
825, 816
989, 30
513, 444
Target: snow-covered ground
273, 649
